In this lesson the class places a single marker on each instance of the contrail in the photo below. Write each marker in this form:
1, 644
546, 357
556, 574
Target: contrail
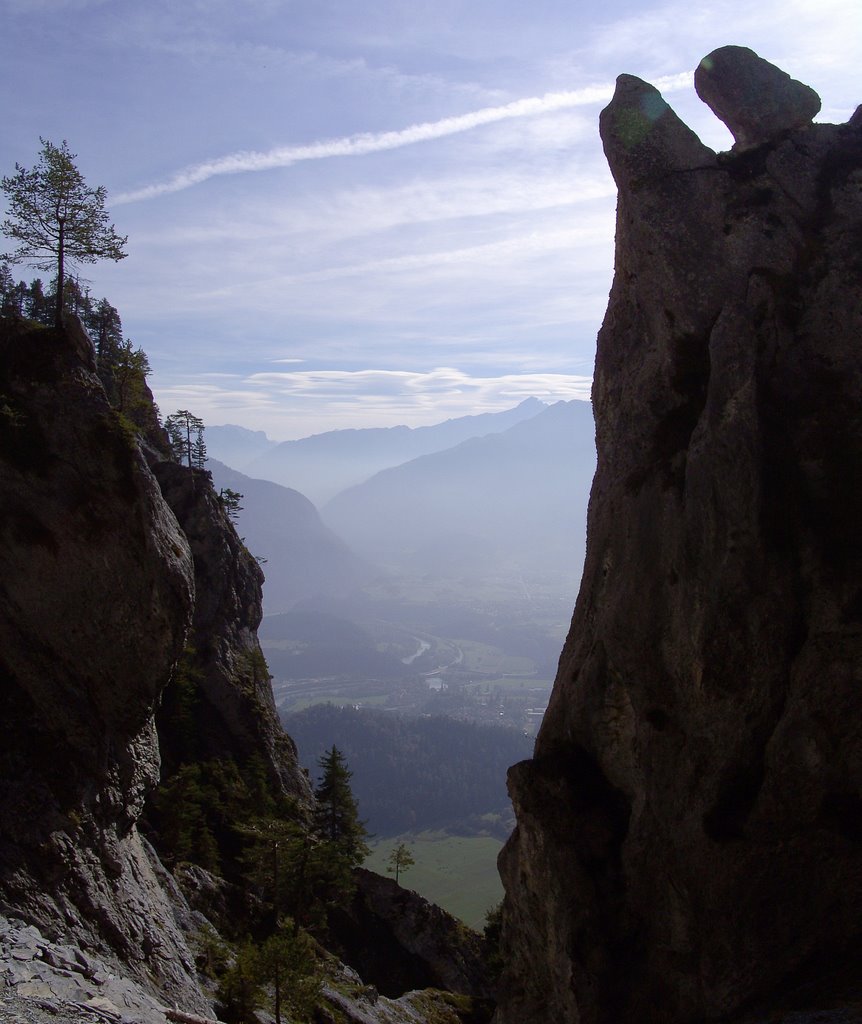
375, 142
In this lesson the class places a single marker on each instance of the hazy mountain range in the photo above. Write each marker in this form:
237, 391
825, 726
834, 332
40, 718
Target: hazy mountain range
237, 446
516, 498
501, 492
303, 557
322, 465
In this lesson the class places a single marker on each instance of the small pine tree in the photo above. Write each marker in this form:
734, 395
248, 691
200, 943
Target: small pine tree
10, 297
199, 448
337, 815
37, 306
230, 502
492, 939
55, 218
130, 371
400, 859
287, 959
240, 989
283, 863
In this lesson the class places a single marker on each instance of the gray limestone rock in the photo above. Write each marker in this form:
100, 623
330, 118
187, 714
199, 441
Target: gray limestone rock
755, 99
688, 839
66, 983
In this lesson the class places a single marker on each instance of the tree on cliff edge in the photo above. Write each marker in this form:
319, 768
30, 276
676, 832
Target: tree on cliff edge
54, 217
186, 436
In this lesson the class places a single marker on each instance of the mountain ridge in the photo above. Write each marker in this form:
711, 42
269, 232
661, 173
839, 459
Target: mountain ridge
302, 557
511, 494
322, 465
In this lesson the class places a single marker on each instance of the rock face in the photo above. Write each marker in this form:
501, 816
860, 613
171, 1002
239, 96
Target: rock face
398, 942
238, 716
96, 592
688, 837
109, 571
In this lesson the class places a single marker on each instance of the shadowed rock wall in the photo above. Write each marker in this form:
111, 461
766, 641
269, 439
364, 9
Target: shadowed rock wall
108, 572
688, 837
96, 594
237, 716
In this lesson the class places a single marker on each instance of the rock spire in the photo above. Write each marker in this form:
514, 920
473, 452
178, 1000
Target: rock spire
688, 829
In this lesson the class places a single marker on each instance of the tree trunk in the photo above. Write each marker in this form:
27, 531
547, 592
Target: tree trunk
58, 310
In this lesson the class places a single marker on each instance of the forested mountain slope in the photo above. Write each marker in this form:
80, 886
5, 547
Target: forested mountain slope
411, 774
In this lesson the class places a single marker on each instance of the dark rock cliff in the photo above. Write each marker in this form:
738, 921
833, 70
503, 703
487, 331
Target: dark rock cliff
96, 593
688, 837
398, 942
103, 585
237, 715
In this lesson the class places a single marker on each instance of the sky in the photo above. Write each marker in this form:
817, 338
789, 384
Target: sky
352, 213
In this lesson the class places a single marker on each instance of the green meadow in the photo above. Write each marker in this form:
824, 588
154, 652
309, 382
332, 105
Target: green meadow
458, 873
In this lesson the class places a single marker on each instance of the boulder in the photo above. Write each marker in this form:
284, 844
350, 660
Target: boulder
755, 99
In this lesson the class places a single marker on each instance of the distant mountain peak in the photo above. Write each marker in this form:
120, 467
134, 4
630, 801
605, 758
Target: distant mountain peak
323, 465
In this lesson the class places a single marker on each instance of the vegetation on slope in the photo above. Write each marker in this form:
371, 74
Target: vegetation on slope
412, 774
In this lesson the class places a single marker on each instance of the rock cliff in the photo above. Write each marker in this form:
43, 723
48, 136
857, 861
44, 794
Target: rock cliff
96, 595
120, 574
237, 714
398, 942
688, 829
112, 565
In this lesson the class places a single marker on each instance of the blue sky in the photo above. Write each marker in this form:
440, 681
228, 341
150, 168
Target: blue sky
367, 213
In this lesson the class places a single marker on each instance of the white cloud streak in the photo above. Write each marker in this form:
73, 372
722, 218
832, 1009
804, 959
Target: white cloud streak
375, 142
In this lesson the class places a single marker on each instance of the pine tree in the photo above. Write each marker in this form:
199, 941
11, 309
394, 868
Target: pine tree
10, 295
130, 371
106, 328
342, 834
199, 448
284, 864
240, 989
287, 959
180, 427
400, 859
230, 502
337, 815
55, 218
36, 303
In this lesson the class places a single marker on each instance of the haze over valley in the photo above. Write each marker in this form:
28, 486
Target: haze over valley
416, 617
441, 583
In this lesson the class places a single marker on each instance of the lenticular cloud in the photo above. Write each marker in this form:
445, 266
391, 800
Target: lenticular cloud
375, 142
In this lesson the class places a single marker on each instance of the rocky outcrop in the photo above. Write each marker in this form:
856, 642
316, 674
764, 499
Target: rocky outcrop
688, 830
68, 982
756, 100
96, 592
398, 941
237, 714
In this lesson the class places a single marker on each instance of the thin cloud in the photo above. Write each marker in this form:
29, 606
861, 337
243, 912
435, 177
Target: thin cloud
441, 379
375, 142
297, 404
